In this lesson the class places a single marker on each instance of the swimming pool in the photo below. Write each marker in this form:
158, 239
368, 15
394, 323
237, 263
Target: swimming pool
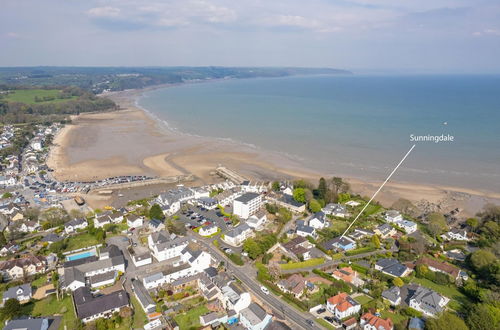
80, 255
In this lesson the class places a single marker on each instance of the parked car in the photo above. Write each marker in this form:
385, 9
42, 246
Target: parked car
264, 289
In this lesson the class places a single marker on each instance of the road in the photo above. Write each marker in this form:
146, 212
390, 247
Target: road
280, 308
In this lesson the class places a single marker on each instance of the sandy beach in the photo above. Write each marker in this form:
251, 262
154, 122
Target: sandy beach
131, 142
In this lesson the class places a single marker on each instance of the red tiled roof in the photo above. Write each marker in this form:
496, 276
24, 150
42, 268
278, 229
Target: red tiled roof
377, 322
442, 266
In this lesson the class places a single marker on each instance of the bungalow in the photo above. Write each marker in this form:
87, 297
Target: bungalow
74, 225
392, 295
22, 293
318, 221
407, 225
297, 248
134, 221
352, 203
458, 234
28, 323
287, 202
385, 231
342, 305
212, 318
369, 321
393, 216
340, 243
51, 238
440, 266
348, 275
237, 235
337, 210
294, 285
428, 301
208, 230
254, 317
392, 267
360, 233
304, 231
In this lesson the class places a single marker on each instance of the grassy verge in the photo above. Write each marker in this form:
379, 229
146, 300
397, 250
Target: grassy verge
303, 264
325, 324
140, 317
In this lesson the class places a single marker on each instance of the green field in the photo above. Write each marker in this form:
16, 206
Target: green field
191, 319
303, 264
28, 96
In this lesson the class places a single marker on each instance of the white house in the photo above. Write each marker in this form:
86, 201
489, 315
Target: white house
304, 231
428, 301
318, 221
258, 220
342, 305
7, 180
234, 297
237, 235
29, 226
22, 293
74, 225
254, 317
393, 216
247, 205
142, 259
36, 144
458, 234
337, 210
407, 225
163, 246
134, 221
208, 230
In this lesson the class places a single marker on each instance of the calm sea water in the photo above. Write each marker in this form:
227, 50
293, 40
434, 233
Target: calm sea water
352, 125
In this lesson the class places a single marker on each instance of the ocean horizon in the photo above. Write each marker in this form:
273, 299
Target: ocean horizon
352, 126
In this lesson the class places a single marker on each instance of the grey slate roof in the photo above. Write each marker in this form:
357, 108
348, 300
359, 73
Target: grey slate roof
143, 295
238, 230
392, 294
305, 229
392, 266
11, 293
51, 237
88, 305
28, 324
254, 313
103, 277
428, 299
247, 197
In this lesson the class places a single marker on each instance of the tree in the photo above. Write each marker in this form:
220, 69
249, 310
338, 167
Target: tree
398, 282
446, 321
337, 184
481, 317
322, 188
376, 241
299, 194
11, 309
344, 197
437, 224
276, 186
251, 247
473, 223
155, 212
314, 206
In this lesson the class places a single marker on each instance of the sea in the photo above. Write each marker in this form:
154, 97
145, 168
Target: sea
352, 125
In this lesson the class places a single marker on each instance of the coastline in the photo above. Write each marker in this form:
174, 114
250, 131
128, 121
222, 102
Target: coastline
134, 141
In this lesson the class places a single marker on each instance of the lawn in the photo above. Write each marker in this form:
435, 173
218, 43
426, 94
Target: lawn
363, 299
51, 306
303, 264
28, 96
395, 317
447, 291
81, 241
39, 282
339, 225
140, 317
191, 319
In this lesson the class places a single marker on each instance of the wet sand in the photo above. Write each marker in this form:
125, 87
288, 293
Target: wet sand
131, 142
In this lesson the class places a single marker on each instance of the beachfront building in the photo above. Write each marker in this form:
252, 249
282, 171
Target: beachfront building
407, 225
247, 204
287, 202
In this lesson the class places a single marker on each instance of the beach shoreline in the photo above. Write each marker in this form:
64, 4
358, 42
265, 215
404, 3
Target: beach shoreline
134, 141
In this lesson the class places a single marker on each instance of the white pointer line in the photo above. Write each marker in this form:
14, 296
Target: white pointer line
383, 184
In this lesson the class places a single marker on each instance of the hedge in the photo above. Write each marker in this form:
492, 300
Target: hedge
360, 250
303, 264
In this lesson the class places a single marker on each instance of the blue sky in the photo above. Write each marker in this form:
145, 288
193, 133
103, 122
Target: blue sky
452, 36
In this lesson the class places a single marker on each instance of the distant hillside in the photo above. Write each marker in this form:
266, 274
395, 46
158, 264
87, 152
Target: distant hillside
25, 104
98, 79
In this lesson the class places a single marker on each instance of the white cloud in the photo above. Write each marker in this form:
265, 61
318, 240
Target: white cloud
492, 32
104, 12
12, 35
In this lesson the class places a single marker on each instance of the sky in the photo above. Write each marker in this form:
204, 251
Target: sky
427, 36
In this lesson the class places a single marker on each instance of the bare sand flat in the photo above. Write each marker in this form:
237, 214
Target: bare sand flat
130, 142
